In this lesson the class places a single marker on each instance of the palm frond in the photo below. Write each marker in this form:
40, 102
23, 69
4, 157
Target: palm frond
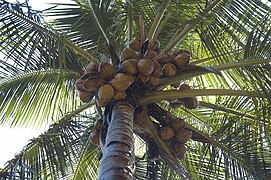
54, 153
33, 98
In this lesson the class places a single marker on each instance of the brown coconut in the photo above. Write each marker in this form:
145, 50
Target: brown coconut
179, 51
153, 44
91, 67
94, 137
128, 53
122, 81
134, 44
169, 69
130, 65
106, 70
101, 102
153, 81
183, 135
191, 102
85, 96
145, 66
179, 150
106, 92
98, 124
93, 84
185, 87
164, 58
143, 78
78, 84
157, 71
166, 133
151, 54
176, 124
182, 60
119, 95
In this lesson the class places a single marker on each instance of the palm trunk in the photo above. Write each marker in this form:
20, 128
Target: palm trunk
118, 152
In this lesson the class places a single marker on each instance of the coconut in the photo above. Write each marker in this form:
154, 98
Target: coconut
134, 44
164, 58
98, 124
176, 124
166, 133
85, 96
106, 70
145, 66
119, 95
151, 54
191, 102
78, 84
128, 53
92, 84
179, 51
101, 102
182, 60
179, 150
143, 78
153, 44
106, 92
169, 69
153, 81
130, 65
183, 135
185, 87
157, 71
122, 81
94, 137
91, 67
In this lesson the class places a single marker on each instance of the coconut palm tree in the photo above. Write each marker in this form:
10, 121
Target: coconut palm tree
143, 135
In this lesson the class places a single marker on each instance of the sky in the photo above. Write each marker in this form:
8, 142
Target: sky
12, 140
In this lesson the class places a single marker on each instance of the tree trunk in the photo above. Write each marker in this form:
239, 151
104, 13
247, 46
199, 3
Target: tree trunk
118, 152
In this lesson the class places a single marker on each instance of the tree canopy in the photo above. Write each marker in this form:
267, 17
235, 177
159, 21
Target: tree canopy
42, 61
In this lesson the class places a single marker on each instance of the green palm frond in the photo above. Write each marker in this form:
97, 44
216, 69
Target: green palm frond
30, 44
55, 153
47, 93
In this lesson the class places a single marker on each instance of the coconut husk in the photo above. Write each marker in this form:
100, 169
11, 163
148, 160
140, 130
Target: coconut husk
183, 135
176, 124
85, 96
128, 53
153, 81
145, 66
166, 133
92, 84
106, 92
119, 95
134, 44
106, 70
164, 58
182, 60
151, 54
122, 81
169, 69
91, 67
157, 71
130, 65
94, 137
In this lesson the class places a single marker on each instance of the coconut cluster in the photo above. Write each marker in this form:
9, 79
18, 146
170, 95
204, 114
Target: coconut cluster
138, 63
176, 135
150, 64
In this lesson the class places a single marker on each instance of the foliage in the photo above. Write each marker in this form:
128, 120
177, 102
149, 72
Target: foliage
43, 59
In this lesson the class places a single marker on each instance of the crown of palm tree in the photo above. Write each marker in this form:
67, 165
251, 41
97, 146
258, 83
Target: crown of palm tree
229, 42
